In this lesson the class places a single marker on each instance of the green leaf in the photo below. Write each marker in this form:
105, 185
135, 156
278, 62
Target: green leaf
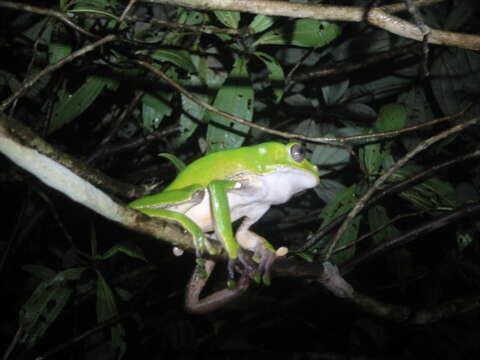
192, 113
70, 107
431, 195
180, 58
341, 204
45, 304
417, 105
39, 271
378, 219
333, 94
235, 97
57, 52
275, 73
305, 256
190, 17
127, 248
331, 157
179, 164
378, 89
348, 238
154, 109
303, 32
92, 10
391, 117
328, 189
101, 4
455, 78
230, 19
107, 309
371, 157
261, 23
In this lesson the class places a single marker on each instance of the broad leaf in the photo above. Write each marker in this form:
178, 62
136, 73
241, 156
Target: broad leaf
70, 107
391, 117
235, 97
261, 23
275, 73
107, 309
228, 18
303, 32
45, 304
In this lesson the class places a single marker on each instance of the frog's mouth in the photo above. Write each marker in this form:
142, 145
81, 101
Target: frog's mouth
285, 182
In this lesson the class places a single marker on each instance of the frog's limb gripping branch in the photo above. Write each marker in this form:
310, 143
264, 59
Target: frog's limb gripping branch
338, 286
195, 305
334, 282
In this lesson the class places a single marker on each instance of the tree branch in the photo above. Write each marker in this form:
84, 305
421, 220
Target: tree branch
375, 16
65, 180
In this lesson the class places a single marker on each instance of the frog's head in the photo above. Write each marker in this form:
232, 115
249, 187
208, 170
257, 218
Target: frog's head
286, 168
276, 155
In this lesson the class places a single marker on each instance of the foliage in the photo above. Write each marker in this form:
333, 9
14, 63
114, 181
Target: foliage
267, 71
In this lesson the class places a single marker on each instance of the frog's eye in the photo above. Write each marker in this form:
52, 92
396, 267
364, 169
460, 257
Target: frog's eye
297, 152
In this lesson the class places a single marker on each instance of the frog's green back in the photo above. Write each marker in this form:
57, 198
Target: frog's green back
261, 158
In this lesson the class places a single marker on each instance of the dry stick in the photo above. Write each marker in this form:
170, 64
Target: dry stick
283, 134
127, 9
432, 225
56, 14
53, 67
376, 16
417, 17
363, 200
389, 191
209, 107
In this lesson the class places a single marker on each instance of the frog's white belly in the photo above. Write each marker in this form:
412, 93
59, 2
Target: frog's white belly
255, 198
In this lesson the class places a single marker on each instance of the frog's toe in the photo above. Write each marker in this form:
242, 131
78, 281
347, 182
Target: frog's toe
243, 266
265, 266
248, 265
244, 281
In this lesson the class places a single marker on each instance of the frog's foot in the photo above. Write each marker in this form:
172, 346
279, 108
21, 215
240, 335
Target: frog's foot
242, 265
265, 258
263, 253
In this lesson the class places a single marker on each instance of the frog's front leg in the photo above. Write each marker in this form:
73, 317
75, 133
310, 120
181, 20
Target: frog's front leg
172, 205
222, 223
195, 305
263, 252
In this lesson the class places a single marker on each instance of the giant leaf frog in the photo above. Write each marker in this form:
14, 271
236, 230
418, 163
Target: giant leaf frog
222, 187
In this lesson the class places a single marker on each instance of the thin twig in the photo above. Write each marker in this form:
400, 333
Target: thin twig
430, 226
48, 12
127, 9
397, 187
344, 69
53, 67
287, 135
363, 200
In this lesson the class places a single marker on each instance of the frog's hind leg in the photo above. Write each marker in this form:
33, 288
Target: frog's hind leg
263, 252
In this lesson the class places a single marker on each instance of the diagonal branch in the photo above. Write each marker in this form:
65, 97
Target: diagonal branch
364, 199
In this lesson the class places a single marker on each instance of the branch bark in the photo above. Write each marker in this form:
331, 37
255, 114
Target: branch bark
68, 182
